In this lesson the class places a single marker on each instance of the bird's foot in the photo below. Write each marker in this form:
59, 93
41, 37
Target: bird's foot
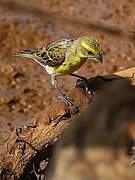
85, 82
67, 100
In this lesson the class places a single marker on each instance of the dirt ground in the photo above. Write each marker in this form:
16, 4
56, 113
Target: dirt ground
24, 86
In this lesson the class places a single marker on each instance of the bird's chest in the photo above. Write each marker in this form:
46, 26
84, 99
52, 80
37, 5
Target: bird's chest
70, 65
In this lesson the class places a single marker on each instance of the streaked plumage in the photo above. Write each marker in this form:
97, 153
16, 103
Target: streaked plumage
64, 56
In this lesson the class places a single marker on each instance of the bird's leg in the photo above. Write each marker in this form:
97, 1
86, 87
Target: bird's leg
61, 96
85, 80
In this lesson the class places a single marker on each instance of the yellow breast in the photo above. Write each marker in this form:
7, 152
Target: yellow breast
70, 65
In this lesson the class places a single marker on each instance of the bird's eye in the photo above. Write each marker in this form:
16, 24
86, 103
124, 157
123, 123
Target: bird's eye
90, 53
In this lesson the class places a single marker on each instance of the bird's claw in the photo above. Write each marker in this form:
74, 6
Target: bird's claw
67, 100
78, 82
85, 84
90, 92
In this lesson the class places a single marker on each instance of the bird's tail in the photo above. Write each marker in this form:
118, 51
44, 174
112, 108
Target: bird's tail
25, 53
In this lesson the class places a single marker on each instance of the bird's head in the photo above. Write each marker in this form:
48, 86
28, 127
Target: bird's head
90, 48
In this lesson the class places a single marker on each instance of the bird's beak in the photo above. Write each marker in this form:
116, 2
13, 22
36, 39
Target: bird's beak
98, 57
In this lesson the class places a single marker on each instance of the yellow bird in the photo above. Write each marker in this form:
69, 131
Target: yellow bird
65, 56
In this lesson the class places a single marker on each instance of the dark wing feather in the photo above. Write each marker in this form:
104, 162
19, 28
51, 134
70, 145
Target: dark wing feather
53, 54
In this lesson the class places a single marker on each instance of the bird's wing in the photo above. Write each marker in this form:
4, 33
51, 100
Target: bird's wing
54, 53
